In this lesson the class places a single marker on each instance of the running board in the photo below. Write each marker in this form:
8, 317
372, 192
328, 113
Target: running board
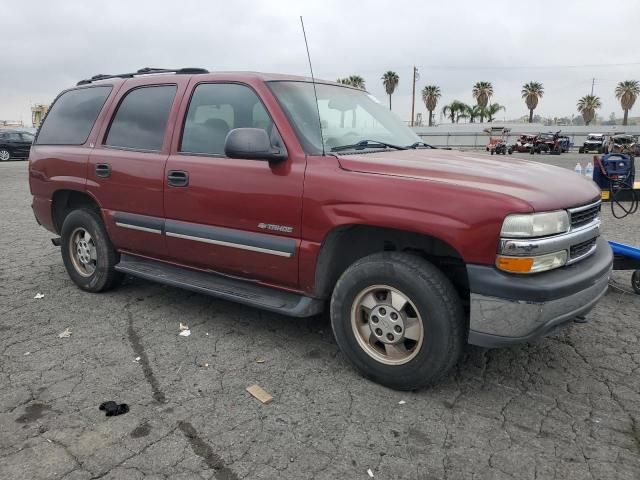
252, 294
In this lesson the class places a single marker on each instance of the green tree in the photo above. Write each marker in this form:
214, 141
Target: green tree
430, 96
587, 106
627, 92
473, 111
491, 110
482, 92
532, 92
357, 81
390, 81
455, 111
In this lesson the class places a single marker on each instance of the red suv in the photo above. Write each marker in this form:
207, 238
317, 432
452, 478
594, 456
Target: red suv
245, 187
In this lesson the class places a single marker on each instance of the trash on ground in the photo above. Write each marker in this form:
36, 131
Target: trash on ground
65, 334
137, 359
111, 408
185, 333
204, 365
39, 296
257, 392
369, 472
27, 353
260, 360
207, 334
183, 326
401, 402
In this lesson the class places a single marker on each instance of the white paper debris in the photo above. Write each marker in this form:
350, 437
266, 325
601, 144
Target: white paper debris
260, 360
369, 472
183, 326
27, 353
137, 359
65, 334
185, 333
401, 402
39, 296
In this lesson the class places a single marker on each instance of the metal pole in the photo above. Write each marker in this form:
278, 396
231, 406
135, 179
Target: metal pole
413, 95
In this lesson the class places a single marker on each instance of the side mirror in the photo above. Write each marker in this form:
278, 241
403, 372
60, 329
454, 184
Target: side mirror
252, 144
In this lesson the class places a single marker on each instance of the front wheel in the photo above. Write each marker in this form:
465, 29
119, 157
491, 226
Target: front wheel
87, 252
5, 155
635, 281
398, 319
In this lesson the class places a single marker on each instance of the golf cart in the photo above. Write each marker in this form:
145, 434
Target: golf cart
622, 143
498, 137
593, 143
524, 143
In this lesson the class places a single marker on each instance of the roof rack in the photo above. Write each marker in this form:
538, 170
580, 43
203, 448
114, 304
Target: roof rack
145, 71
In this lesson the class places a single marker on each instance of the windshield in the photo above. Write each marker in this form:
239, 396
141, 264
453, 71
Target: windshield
347, 115
623, 140
596, 138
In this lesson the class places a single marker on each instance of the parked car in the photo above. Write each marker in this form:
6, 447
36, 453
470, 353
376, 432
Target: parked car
15, 144
224, 184
547, 143
595, 142
622, 143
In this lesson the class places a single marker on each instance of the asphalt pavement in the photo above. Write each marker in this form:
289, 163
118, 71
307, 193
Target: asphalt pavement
566, 407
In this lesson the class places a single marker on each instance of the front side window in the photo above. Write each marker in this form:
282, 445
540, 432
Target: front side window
347, 116
71, 118
217, 108
141, 119
26, 137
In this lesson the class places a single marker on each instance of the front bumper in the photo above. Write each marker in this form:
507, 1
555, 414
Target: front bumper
507, 309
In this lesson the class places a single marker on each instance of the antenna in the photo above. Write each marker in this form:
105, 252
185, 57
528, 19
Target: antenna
313, 80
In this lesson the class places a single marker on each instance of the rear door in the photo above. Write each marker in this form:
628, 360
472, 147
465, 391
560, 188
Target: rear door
126, 167
236, 216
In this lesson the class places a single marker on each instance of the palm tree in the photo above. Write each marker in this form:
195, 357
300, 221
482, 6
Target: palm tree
357, 81
532, 92
482, 92
430, 96
343, 81
473, 112
627, 92
587, 106
491, 111
390, 81
455, 111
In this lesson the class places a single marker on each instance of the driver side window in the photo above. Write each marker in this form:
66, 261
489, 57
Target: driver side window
217, 108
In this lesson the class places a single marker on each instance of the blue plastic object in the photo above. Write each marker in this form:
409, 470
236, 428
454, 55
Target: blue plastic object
625, 250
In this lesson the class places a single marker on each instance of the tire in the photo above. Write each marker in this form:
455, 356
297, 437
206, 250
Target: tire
432, 307
90, 264
5, 155
510, 151
492, 152
635, 281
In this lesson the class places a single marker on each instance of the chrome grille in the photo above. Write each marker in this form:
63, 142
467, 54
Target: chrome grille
580, 249
582, 216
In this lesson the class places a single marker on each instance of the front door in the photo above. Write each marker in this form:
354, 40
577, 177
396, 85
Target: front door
234, 216
126, 167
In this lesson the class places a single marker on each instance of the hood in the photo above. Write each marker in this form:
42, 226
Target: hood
544, 187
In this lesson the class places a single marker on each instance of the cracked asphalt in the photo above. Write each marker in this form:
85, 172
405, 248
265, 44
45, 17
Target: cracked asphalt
566, 407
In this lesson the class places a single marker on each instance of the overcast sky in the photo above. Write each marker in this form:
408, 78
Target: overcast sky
50, 45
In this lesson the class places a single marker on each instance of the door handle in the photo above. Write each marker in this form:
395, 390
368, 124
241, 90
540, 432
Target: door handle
178, 178
103, 170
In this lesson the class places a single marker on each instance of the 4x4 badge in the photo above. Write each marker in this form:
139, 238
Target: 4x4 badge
275, 228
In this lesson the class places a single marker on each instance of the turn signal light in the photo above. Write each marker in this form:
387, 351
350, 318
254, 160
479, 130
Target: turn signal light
514, 264
535, 264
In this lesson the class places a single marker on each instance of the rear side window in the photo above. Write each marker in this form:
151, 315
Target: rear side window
217, 108
72, 116
141, 118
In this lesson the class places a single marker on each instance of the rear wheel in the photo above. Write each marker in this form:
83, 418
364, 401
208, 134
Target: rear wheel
398, 319
87, 252
5, 155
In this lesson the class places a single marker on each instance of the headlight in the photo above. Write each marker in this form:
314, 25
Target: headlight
534, 264
535, 224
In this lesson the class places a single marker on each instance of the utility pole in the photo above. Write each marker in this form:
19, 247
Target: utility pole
413, 95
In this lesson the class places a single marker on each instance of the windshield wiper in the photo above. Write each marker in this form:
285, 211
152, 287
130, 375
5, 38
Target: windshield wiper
362, 144
421, 144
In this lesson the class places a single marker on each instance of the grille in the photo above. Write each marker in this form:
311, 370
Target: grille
580, 249
583, 217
